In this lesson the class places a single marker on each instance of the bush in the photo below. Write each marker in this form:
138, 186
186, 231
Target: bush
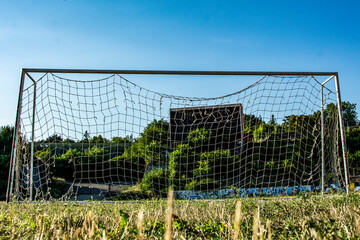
352, 142
181, 165
4, 171
199, 136
155, 181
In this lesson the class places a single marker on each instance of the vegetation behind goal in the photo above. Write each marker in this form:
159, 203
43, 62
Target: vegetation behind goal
91, 134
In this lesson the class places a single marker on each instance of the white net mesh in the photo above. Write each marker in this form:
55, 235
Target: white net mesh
110, 138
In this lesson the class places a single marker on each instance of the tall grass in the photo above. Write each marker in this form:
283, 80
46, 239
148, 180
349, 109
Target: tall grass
331, 217
169, 215
237, 220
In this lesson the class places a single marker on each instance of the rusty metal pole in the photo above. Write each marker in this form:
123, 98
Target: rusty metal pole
342, 133
322, 143
15, 140
32, 146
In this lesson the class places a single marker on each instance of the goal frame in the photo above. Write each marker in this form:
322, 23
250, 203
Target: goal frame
26, 73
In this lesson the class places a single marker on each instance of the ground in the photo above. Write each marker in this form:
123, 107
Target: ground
332, 216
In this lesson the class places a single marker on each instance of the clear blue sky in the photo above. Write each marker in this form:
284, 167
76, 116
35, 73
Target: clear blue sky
178, 35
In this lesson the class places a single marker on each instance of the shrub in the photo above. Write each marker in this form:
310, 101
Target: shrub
155, 181
199, 136
181, 164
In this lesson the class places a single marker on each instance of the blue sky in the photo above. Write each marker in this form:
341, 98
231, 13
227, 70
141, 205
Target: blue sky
178, 35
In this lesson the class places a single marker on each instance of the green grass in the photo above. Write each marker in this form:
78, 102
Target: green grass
330, 217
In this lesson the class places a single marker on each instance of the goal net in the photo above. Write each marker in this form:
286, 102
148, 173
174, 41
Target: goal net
100, 135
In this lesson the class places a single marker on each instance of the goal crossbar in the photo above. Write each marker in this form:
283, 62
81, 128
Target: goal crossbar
175, 72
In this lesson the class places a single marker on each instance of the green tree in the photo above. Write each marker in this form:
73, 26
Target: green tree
193, 167
155, 181
182, 162
251, 121
154, 152
155, 131
6, 136
98, 139
127, 139
55, 138
349, 113
149, 148
298, 122
272, 120
199, 136
353, 147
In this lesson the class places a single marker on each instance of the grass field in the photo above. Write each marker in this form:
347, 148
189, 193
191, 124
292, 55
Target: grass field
329, 217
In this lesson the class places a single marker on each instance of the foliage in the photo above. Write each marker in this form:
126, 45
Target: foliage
352, 134
4, 173
154, 152
93, 155
6, 136
353, 139
181, 160
155, 181
127, 140
354, 159
98, 139
199, 136
64, 165
251, 121
156, 130
199, 164
55, 138
260, 132
264, 131
353, 147
297, 122
349, 113
193, 167
155, 135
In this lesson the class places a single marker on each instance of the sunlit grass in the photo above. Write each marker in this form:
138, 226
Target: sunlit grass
329, 217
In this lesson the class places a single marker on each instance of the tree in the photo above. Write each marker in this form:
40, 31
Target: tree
127, 139
272, 120
155, 131
192, 167
98, 139
349, 113
297, 122
148, 149
6, 136
353, 147
251, 121
54, 138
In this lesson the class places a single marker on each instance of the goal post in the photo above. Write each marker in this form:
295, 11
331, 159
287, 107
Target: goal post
95, 134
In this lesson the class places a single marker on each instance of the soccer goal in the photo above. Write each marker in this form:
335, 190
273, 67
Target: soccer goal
104, 134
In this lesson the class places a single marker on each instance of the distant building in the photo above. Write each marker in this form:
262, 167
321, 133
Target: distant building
226, 122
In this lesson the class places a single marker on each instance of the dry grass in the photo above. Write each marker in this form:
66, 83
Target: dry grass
237, 220
335, 217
